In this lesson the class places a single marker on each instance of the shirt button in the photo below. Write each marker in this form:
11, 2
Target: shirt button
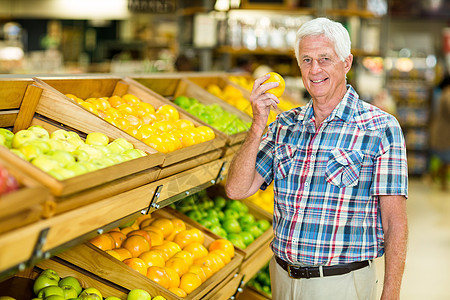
313, 156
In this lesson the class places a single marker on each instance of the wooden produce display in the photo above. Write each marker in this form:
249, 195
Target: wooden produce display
171, 88
98, 262
86, 87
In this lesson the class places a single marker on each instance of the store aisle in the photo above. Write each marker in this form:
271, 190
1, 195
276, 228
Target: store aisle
427, 273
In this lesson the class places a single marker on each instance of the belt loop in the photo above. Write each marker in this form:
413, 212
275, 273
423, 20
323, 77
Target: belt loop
321, 271
370, 263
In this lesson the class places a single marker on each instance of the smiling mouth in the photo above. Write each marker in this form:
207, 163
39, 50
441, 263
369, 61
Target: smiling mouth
319, 81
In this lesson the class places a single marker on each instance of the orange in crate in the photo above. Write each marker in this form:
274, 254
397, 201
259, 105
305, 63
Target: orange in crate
153, 257
189, 282
103, 241
136, 244
136, 264
159, 275
118, 237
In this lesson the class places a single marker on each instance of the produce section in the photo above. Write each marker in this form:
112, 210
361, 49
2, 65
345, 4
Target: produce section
107, 205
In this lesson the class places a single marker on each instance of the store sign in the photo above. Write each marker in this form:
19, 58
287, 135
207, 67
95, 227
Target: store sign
152, 6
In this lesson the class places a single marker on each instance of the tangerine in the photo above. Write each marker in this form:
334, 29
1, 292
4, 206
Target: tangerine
90, 107
169, 111
279, 90
156, 238
114, 254
158, 275
165, 225
199, 270
136, 244
153, 257
141, 218
127, 230
146, 107
115, 101
184, 123
208, 261
179, 292
118, 237
103, 241
148, 118
222, 244
142, 233
196, 249
178, 264
123, 253
168, 248
131, 99
224, 255
165, 126
189, 282
153, 229
146, 222
136, 264
186, 256
174, 278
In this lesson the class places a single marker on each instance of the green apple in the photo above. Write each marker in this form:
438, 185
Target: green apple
97, 138
61, 173
110, 298
90, 166
91, 290
50, 290
77, 167
56, 144
159, 297
104, 162
80, 155
7, 298
45, 162
133, 153
2, 140
8, 135
48, 277
124, 143
69, 291
117, 158
21, 137
30, 151
138, 294
18, 153
104, 149
115, 147
73, 282
63, 157
40, 132
74, 139
60, 134
93, 152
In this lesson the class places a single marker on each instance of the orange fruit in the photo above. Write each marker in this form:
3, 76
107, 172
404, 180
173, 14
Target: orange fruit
118, 237
135, 225
90, 107
186, 256
115, 229
141, 218
183, 124
196, 249
157, 239
164, 126
179, 292
157, 143
136, 264
103, 241
174, 278
178, 226
122, 252
146, 107
71, 96
114, 254
99, 103
206, 132
148, 130
178, 264
198, 235
153, 257
142, 233
131, 99
183, 238
208, 271
127, 230
174, 140
146, 222
126, 109
115, 101
208, 261
149, 118
122, 123
275, 77
134, 121
169, 111
165, 225
158, 275
224, 255
136, 244
113, 113
132, 130
199, 270
217, 258
153, 229
222, 244
189, 282
168, 248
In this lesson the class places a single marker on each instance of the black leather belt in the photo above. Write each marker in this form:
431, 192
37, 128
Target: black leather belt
311, 272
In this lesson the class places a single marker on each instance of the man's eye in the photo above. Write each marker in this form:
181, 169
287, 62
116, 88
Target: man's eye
307, 60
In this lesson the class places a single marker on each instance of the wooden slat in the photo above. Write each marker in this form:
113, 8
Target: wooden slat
259, 259
226, 290
13, 90
28, 108
7, 118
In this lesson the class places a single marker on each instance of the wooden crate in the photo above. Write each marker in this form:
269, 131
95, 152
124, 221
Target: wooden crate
44, 107
98, 262
20, 286
170, 88
91, 86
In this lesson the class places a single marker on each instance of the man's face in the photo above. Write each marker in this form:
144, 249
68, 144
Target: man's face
323, 73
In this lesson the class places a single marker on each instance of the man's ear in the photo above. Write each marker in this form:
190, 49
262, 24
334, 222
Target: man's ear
348, 63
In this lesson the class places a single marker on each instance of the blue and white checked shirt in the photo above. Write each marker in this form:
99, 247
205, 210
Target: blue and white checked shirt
327, 181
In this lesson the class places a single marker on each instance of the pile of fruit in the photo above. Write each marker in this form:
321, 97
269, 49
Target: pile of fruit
63, 154
50, 286
166, 252
227, 218
261, 281
8, 182
213, 115
161, 129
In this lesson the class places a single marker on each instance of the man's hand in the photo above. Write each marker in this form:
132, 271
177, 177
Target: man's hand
262, 101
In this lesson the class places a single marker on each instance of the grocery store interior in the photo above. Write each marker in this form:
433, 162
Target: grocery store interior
59, 57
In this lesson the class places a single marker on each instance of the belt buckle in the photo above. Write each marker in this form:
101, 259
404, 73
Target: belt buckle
303, 268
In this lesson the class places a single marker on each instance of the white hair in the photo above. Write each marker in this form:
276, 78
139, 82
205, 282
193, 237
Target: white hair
334, 31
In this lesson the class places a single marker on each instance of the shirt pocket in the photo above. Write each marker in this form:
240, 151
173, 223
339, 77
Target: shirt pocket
284, 155
343, 167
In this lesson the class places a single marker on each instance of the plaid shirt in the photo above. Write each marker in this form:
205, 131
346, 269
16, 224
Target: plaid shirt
327, 181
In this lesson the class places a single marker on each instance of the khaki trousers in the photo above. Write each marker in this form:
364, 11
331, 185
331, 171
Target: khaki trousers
357, 285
